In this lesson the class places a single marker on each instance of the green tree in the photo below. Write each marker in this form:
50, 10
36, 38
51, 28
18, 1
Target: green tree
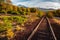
2, 1
32, 10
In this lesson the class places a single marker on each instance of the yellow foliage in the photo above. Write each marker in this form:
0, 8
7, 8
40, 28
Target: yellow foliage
19, 28
10, 34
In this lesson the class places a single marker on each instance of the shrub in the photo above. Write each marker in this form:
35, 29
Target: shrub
32, 10
13, 12
49, 14
40, 14
3, 12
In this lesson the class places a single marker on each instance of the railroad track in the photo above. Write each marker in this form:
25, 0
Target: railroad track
43, 31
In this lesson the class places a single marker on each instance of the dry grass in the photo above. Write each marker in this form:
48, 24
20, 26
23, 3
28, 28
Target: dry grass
57, 21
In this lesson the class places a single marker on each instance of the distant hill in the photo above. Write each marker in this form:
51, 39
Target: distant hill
44, 9
22, 6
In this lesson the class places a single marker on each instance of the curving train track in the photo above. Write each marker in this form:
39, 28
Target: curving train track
43, 31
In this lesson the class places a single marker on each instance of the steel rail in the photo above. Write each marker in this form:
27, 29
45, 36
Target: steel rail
51, 29
34, 31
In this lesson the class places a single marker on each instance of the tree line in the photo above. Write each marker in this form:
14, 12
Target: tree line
54, 13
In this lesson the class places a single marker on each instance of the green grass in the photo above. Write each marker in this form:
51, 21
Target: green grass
7, 21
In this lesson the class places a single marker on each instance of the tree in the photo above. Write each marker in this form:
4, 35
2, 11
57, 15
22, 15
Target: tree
2, 1
41, 13
49, 14
8, 1
32, 10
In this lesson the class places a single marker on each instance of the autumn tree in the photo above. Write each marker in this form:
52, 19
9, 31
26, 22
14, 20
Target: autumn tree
41, 13
49, 14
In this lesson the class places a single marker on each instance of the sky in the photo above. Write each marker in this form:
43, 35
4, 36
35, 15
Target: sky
53, 4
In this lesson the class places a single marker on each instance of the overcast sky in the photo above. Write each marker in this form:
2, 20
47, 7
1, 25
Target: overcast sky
55, 4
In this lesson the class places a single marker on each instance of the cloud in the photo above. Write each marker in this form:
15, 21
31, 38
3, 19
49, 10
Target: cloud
54, 4
48, 5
